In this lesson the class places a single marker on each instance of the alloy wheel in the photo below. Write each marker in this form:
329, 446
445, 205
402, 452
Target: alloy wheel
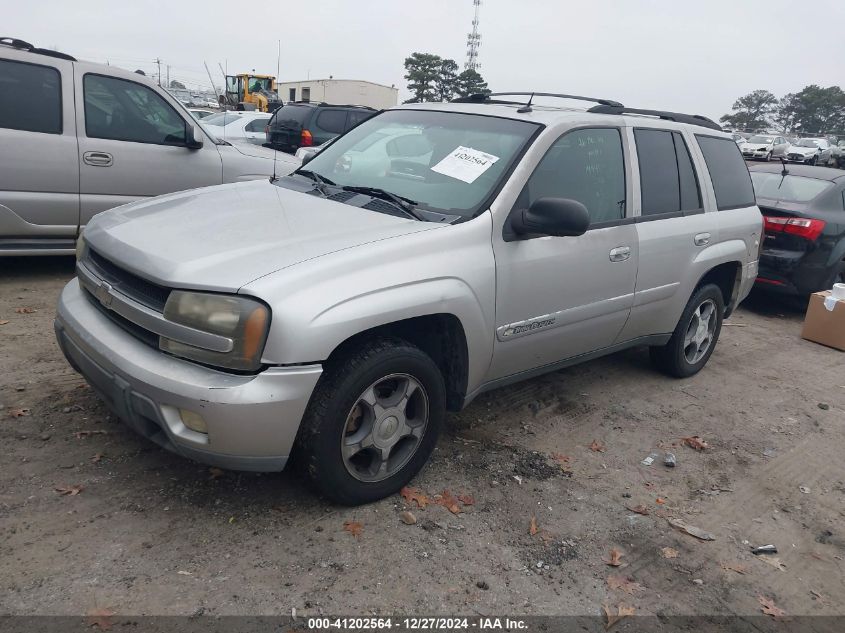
700, 332
384, 428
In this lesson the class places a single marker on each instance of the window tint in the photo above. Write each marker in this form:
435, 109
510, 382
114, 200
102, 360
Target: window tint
332, 121
728, 171
356, 116
690, 195
787, 188
30, 98
257, 125
584, 165
659, 183
123, 110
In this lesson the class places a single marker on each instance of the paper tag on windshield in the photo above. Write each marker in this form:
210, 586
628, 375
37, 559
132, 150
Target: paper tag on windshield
465, 163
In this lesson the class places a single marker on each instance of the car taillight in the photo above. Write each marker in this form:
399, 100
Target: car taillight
808, 228
307, 140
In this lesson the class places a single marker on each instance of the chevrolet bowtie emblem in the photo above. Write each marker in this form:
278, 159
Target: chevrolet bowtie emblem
103, 293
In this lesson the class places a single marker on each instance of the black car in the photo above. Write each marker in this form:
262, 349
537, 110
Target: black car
303, 124
804, 212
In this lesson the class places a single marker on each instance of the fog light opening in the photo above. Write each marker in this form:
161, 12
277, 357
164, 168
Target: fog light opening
193, 421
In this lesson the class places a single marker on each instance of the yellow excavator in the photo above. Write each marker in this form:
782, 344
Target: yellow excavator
252, 92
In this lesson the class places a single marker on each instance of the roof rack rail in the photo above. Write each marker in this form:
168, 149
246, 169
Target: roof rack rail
678, 117
480, 97
26, 46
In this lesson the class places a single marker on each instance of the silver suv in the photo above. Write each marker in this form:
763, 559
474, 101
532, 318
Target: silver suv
78, 138
434, 252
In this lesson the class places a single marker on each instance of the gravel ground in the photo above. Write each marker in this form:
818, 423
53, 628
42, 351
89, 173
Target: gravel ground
539, 509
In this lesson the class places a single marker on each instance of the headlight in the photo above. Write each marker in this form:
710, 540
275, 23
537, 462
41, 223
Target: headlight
80, 247
245, 321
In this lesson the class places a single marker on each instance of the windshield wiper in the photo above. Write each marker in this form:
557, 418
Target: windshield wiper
406, 204
317, 178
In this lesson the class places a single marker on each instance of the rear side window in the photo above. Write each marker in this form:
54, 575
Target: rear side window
667, 177
356, 116
122, 110
291, 116
728, 171
256, 125
332, 121
30, 98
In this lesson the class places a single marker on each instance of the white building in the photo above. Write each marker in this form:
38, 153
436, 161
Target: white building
340, 91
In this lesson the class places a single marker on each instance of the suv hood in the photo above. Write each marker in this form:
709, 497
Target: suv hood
221, 238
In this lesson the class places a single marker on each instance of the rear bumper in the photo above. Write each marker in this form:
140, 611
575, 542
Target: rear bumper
786, 272
252, 420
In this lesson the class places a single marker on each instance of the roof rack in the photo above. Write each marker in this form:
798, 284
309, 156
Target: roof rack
26, 46
678, 117
480, 97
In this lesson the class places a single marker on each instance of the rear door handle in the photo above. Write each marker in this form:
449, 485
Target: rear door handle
620, 253
702, 239
98, 159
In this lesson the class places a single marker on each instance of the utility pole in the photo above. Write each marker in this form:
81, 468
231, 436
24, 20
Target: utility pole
473, 41
279, 61
168, 75
158, 63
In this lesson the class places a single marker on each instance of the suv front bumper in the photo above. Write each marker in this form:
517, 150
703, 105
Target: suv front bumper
252, 420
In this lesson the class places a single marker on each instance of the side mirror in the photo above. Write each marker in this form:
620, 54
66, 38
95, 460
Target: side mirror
193, 137
560, 217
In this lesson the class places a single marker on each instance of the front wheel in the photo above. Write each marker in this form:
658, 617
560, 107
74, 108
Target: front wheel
373, 421
768, 157
695, 336
814, 160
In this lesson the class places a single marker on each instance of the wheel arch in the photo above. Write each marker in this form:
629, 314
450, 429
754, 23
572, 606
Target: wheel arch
727, 276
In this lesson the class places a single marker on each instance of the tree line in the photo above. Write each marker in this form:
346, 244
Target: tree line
813, 111
434, 78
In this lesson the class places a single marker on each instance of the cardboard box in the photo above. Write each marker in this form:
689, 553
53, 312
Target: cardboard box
822, 325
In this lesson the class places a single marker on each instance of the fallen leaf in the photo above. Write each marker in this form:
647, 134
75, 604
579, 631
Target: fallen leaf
18, 413
560, 458
669, 552
768, 607
532, 527
353, 527
3, 322
415, 495
97, 458
184, 573
640, 509
683, 526
660, 501
625, 583
101, 618
215, 473
408, 518
597, 447
694, 441
613, 618
449, 502
614, 559
774, 561
25, 310
70, 491
467, 500
83, 434
740, 569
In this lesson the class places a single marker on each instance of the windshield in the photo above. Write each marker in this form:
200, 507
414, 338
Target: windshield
774, 186
221, 118
259, 83
760, 139
807, 142
444, 161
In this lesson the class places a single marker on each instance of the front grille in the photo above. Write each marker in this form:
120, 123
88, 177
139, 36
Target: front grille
142, 334
143, 291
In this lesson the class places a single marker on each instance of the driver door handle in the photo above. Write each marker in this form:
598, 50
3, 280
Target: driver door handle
620, 253
702, 239
98, 159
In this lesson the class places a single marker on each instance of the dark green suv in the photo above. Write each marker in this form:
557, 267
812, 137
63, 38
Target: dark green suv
304, 124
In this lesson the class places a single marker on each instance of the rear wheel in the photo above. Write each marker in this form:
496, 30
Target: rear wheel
695, 336
373, 421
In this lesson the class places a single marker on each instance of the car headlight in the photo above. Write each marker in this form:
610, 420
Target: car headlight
243, 320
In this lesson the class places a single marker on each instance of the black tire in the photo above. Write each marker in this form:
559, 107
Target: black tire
814, 161
769, 157
671, 357
343, 381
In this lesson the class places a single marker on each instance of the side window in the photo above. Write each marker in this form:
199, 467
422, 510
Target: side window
332, 121
584, 165
356, 116
30, 98
123, 110
668, 183
256, 125
731, 181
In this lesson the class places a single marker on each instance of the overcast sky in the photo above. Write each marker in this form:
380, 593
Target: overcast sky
688, 55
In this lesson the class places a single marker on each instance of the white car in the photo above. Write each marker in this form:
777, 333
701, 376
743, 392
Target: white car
764, 147
238, 126
813, 151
